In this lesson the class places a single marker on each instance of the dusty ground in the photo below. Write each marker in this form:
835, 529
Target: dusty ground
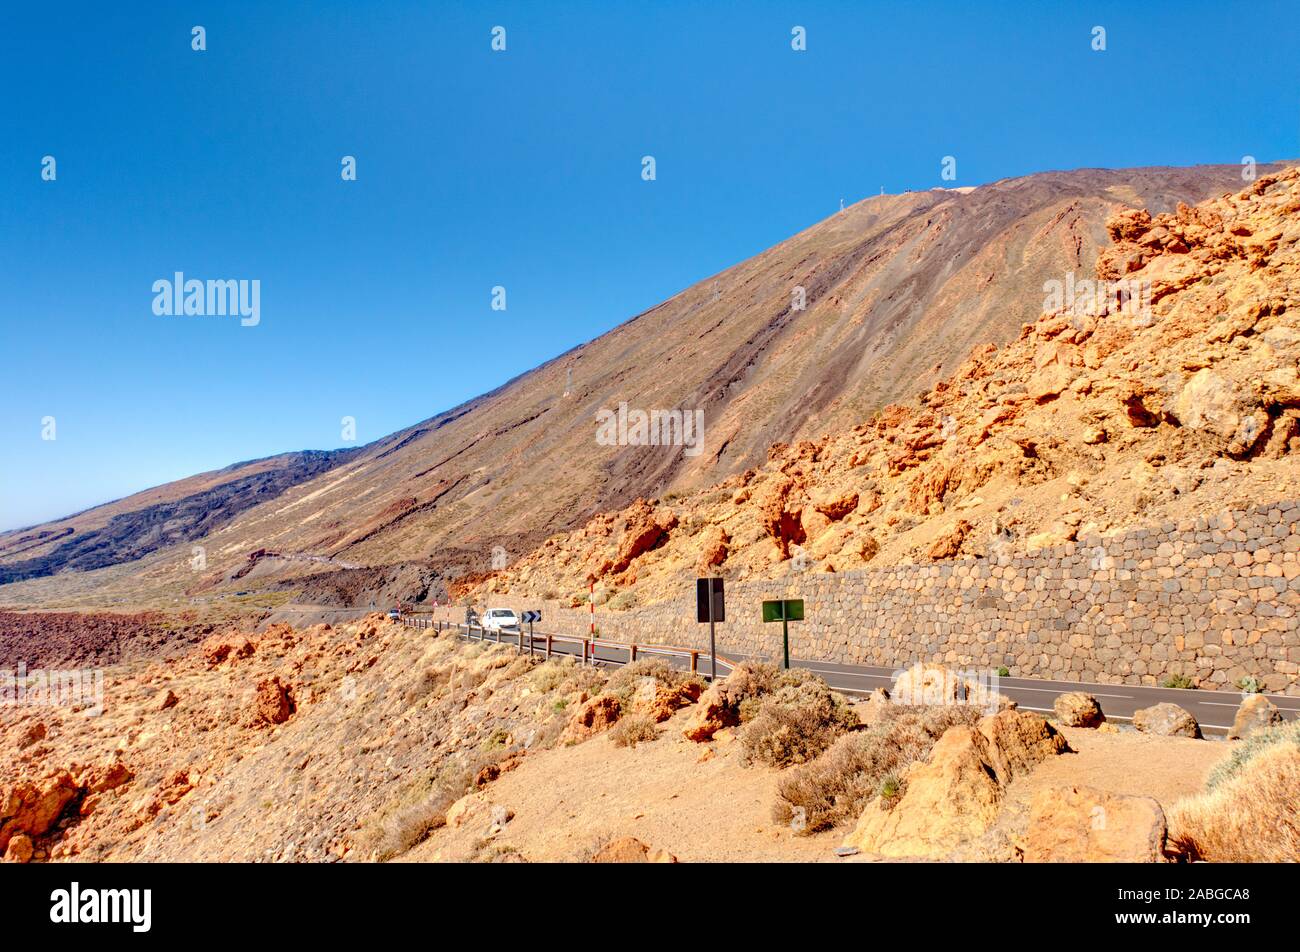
571, 799
1165, 768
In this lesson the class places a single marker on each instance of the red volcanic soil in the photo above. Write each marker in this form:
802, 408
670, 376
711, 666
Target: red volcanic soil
43, 639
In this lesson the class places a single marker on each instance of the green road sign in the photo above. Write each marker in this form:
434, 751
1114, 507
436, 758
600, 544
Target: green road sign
789, 609
784, 610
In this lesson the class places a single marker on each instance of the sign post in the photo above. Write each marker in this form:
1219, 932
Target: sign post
530, 617
785, 611
710, 606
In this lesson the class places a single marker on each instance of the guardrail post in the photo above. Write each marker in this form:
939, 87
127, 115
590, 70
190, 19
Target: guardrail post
631, 653
548, 647
695, 661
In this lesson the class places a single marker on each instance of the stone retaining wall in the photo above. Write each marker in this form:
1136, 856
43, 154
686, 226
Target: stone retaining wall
1213, 598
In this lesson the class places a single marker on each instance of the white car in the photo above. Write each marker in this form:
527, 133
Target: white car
500, 619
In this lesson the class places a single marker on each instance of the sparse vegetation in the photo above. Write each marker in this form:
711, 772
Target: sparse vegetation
862, 765
1248, 816
633, 729
1177, 681
795, 722
1249, 685
1244, 751
623, 601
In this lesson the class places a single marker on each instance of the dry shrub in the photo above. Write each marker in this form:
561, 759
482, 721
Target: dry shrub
795, 722
1249, 817
408, 826
566, 676
632, 730
640, 680
427, 682
858, 767
1246, 750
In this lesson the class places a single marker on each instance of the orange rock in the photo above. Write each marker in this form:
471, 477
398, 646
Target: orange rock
628, 849
32, 807
1083, 825
274, 703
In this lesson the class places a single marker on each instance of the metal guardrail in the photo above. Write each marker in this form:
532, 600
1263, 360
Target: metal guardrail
546, 641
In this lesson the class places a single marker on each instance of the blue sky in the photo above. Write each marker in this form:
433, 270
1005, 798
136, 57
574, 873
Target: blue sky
520, 168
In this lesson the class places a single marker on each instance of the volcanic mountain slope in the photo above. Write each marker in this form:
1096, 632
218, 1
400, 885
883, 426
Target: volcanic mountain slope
1173, 393
897, 289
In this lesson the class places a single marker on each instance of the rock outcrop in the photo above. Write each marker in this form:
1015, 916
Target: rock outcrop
1083, 825
955, 795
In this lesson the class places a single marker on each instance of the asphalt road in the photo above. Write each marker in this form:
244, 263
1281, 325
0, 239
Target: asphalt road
1213, 710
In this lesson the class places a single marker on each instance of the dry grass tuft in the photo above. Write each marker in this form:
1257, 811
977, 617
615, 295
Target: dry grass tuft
633, 729
795, 722
860, 766
1250, 816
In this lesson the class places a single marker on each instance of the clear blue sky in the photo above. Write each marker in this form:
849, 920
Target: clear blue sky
519, 168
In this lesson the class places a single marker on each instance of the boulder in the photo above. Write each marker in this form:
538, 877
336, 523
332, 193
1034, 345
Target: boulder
644, 528
231, 646
1084, 825
19, 849
628, 849
1166, 720
31, 734
273, 703
106, 776
1256, 713
780, 520
1018, 741
953, 796
835, 505
32, 807
165, 699
595, 716
668, 700
1078, 709
713, 548
949, 544
715, 711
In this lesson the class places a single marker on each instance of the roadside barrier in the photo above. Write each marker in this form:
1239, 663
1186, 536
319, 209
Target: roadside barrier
548, 643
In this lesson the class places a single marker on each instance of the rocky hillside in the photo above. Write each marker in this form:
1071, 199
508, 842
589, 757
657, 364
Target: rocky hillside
373, 741
814, 335
1167, 387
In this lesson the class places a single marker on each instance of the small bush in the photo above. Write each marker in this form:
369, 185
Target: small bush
860, 766
632, 730
1177, 681
408, 826
1004, 672
1249, 685
622, 601
795, 722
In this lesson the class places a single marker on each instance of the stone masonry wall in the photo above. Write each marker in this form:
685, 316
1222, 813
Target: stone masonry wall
1213, 598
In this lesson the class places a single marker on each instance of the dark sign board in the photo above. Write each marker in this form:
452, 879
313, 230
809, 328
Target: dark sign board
788, 609
709, 603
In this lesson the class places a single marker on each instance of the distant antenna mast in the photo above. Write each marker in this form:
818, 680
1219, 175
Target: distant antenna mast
841, 204
882, 190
